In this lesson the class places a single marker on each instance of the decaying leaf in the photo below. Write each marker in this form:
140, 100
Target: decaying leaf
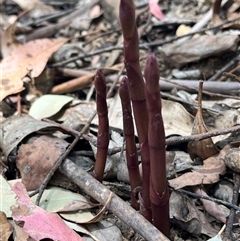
7, 197
206, 174
177, 121
37, 157
38, 223
29, 58
8, 40
5, 227
211, 207
204, 148
15, 128
184, 213
56, 199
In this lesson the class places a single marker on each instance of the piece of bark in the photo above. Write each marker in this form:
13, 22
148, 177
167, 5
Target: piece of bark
178, 54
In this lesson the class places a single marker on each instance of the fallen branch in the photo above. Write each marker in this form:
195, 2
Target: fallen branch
120, 208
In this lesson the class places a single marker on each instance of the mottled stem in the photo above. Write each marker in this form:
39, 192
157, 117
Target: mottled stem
103, 126
137, 95
159, 193
131, 150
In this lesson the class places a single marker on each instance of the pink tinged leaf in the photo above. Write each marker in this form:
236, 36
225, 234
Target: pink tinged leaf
155, 9
38, 223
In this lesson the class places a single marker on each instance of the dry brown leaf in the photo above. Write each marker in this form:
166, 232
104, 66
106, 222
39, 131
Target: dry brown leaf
14, 129
36, 8
28, 58
184, 213
36, 158
5, 227
206, 174
192, 179
8, 40
204, 148
211, 207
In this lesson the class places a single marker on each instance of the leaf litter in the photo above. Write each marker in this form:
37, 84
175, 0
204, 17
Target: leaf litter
30, 147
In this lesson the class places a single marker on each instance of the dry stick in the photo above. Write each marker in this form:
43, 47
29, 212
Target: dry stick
159, 193
131, 150
228, 230
188, 102
137, 95
63, 22
212, 88
231, 72
120, 208
80, 82
103, 125
175, 140
194, 195
185, 36
225, 68
142, 46
232, 76
178, 140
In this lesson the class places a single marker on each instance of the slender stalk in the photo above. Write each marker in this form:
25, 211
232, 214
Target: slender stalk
131, 150
159, 193
137, 95
103, 126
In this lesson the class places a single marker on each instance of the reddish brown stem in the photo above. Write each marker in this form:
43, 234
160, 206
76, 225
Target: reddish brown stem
103, 126
159, 193
131, 150
137, 95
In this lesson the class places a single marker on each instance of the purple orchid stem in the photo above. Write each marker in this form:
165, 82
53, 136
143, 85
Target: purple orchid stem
131, 150
103, 126
159, 193
137, 95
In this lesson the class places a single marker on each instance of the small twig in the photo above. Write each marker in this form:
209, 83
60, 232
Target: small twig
141, 46
227, 204
194, 104
224, 69
162, 42
230, 72
231, 76
175, 140
190, 85
229, 225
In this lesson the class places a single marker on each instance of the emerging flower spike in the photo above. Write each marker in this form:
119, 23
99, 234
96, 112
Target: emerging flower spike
159, 194
131, 150
103, 126
137, 95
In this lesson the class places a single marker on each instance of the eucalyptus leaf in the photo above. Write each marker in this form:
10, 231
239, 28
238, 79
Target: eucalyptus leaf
48, 105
